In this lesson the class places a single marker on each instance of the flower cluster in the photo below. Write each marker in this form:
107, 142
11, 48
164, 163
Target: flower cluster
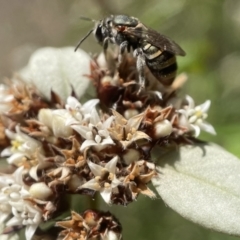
23, 206
105, 145
91, 225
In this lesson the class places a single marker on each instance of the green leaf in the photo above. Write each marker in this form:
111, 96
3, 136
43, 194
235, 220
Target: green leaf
59, 69
202, 183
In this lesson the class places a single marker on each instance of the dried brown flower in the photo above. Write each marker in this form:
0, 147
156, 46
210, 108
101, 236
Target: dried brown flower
92, 225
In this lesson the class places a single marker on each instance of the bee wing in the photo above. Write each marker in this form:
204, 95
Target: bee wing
156, 39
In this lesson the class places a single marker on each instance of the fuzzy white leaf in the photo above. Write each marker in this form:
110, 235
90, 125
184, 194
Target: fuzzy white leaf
59, 69
202, 183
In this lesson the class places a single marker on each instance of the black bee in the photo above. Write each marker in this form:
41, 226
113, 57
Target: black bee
151, 48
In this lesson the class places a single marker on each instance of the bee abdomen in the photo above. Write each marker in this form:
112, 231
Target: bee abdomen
162, 64
166, 75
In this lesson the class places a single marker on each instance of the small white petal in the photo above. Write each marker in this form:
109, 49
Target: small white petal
92, 184
106, 195
73, 121
6, 152
90, 104
89, 135
18, 175
30, 230
10, 134
111, 165
196, 129
135, 121
97, 139
72, 103
115, 183
108, 122
33, 172
16, 158
103, 133
193, 119
4, 216
14, 196
205, 126
95, 168
95, 119
14, 222
205, 106
82, 130
87, 143
183, 120
17, 206
24, 193
190, 101
107, 141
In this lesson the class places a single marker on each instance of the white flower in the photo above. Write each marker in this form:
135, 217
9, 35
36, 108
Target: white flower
193, 117
55, 120
22, 146
5, 99
13, 195
96, 132
5, 207
126, 131
79, 113
58, 122
40, 162
12, 188
105, 179
26, 214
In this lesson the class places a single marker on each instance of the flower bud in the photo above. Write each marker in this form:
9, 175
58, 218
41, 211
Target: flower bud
130, 113
162, 129
130, 156
56, 121
40, 191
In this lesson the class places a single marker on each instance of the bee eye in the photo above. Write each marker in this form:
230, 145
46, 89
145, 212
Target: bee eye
121, 28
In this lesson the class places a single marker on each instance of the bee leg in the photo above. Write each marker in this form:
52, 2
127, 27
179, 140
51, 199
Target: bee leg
140, 67
105, 43
122, 47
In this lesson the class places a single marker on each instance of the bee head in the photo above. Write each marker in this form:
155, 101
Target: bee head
100, 31
124, 20
103, 29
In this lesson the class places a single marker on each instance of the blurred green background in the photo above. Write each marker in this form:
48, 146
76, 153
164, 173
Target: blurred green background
209, 32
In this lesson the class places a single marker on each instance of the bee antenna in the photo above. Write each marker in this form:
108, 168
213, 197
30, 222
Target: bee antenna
80, 42
87, 19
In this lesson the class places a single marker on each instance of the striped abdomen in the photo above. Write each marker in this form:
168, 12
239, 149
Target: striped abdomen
163, 65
